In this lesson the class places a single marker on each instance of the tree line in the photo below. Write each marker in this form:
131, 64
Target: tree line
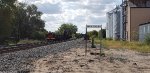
70, 29
73, 31
97, 34
20, 21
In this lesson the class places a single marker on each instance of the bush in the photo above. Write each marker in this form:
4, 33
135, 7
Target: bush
8, 40
78, 35
147, 39
109, 39
39, 35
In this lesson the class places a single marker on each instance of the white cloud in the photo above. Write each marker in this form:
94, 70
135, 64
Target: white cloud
49, 8
78, 12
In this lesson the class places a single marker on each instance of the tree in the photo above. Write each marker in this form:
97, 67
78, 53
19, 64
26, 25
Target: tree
7, 8
103, 33
78, 35
28, 22
67, 28
93, 33
20, 20
147, 39
39, 35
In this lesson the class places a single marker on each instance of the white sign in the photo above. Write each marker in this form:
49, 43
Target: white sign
94, 26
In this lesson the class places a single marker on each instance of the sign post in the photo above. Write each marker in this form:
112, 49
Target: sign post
86, 42
100, 37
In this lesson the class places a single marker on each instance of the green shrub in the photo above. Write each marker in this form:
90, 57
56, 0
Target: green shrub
93, 45
109, 39
78, 35
147, 39
39, 35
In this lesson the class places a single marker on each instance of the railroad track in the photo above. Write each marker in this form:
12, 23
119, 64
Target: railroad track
18, 47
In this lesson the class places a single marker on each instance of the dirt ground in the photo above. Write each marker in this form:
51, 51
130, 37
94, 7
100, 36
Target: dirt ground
75, 61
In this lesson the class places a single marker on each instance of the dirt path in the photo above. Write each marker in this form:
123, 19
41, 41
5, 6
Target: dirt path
75, 61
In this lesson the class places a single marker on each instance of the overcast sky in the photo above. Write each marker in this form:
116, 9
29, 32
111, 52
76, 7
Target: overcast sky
78, 12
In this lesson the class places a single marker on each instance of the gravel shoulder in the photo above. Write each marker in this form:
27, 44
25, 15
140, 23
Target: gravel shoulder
69, 57
75, 61
21, 61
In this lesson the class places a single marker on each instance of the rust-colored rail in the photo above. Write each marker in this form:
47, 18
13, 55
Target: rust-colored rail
18, 47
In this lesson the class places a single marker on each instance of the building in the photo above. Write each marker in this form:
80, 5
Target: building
144, 31
135, 12
123, 22
114, 24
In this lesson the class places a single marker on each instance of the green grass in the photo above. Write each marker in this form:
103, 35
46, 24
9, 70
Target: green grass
28, 41
137, 46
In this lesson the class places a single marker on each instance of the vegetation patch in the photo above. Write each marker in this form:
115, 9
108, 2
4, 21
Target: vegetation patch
28, 41
137, 46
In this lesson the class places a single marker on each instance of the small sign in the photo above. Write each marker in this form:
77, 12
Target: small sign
94, 26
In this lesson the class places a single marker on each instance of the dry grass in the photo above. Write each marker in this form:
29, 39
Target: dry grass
125, 45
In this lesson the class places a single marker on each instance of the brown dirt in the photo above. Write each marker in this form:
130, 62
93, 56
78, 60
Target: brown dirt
75, 61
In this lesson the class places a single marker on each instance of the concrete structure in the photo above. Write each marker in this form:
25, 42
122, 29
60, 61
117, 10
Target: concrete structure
114, 24
135, 12
123, 23
144, 30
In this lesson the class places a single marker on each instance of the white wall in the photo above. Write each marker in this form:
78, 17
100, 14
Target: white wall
144, 30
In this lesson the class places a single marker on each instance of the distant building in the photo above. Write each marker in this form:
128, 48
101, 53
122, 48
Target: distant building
144, 31
114, 24
123, 21
135, 12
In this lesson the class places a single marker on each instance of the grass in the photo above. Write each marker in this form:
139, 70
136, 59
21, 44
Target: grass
137, 46
28, 41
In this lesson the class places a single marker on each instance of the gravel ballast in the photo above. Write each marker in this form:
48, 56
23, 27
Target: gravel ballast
21, 61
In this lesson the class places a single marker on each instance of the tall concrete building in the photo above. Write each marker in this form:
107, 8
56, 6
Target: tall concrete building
114, 24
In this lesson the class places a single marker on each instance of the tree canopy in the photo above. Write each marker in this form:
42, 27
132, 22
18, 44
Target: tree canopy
7, 8
69, 28
20, 20
93, 33
28, 21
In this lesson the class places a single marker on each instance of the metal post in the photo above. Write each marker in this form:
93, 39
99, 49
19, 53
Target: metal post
86, 41
123, 18
124, 3
93, 26
100, 41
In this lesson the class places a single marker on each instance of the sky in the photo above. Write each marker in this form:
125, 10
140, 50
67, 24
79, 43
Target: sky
77, 12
